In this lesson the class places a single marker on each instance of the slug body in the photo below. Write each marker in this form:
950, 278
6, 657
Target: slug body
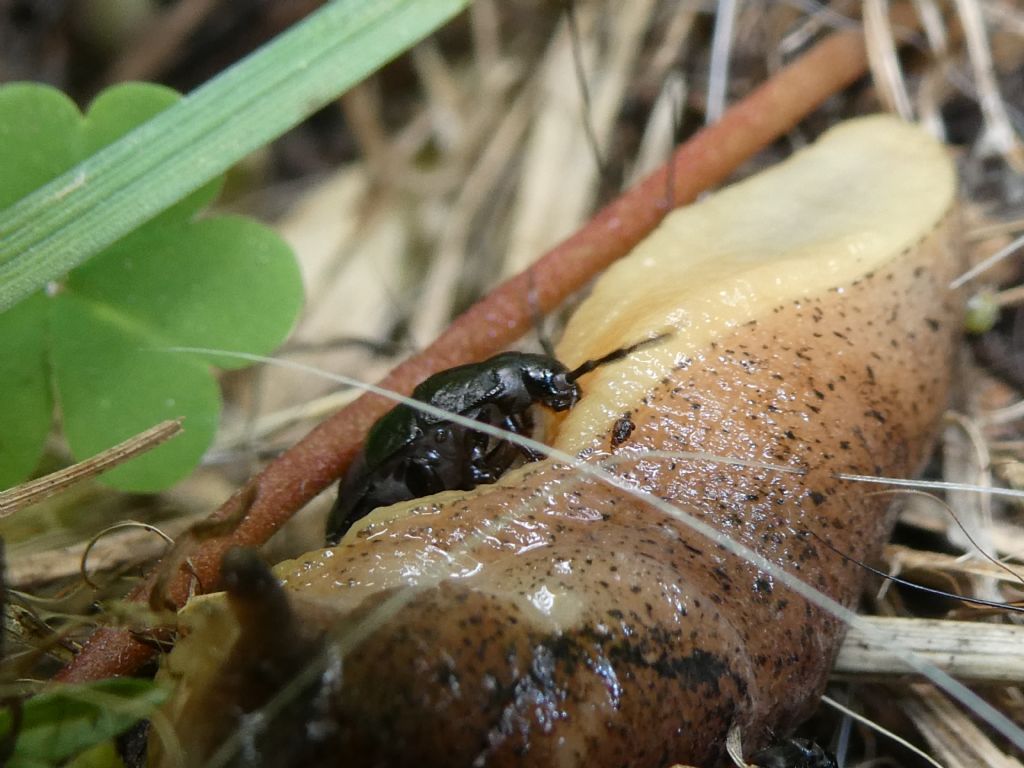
552, 620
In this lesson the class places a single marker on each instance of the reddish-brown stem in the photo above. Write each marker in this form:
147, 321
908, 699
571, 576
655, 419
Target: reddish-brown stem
707, 159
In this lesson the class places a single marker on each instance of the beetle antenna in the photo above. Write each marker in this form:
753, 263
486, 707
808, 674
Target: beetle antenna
611, 357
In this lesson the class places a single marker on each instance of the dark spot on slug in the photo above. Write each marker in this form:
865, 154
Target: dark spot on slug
622, 429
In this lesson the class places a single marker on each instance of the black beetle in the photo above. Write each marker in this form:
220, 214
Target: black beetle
409, 453
794, 753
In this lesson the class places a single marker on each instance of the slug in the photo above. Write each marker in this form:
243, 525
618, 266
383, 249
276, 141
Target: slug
551, 619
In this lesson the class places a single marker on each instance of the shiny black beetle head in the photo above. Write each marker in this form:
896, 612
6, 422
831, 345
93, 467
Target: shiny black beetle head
551, 384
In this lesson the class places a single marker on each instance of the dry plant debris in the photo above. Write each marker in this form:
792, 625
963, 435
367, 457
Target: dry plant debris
480, 151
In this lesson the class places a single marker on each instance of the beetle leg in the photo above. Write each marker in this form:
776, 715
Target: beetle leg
424, 475
486, 466
490, 459
484, 457
522, 424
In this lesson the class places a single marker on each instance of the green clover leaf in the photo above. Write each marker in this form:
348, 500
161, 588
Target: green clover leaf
97, 343
65, 720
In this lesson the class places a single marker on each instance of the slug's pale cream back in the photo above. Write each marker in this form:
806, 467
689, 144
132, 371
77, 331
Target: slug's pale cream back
855, 202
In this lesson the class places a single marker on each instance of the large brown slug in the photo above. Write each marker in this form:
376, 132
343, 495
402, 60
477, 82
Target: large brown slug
553, 620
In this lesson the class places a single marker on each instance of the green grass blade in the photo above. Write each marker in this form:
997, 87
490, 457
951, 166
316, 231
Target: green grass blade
109, 194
